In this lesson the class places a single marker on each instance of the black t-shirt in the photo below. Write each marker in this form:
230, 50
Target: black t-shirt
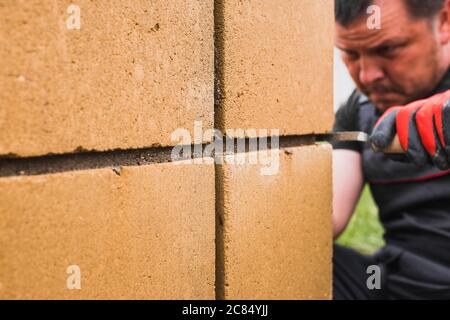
414, 203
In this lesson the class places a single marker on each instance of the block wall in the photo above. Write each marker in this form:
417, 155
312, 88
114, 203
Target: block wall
92, 203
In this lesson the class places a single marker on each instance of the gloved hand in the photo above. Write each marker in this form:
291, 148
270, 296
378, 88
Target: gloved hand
423, 129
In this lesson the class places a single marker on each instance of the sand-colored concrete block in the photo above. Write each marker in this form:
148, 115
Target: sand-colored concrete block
134, 72
276, 65
276, 231
146, 233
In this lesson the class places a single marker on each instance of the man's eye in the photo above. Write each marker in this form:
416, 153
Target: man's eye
351, 55
386, 51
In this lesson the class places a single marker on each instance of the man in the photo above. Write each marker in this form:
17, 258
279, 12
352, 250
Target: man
403, 79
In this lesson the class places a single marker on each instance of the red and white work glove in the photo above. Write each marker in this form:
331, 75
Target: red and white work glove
423, 129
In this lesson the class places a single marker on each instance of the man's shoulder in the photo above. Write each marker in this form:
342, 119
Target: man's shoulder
362, 99
355, 101
354, 115
347, 113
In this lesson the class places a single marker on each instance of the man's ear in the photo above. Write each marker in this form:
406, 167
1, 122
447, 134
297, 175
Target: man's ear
444, 23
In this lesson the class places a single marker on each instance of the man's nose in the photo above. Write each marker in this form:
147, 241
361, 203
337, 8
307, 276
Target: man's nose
370, 72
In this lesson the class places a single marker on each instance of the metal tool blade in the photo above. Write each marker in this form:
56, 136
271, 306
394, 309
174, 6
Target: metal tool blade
343, 136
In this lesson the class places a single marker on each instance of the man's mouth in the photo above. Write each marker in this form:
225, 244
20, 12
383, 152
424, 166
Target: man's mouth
380, 94
383, 95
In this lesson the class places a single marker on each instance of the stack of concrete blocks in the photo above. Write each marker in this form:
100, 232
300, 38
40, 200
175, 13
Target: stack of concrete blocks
131, 74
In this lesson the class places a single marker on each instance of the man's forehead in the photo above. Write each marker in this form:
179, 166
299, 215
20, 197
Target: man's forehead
396, 25
372, 43
357, 37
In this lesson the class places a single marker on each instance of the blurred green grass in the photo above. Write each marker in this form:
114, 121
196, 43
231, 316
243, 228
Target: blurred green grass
364, 232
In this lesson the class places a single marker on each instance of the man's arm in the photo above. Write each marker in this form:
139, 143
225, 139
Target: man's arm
347, 186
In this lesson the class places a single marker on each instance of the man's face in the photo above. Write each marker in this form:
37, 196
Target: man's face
397, 64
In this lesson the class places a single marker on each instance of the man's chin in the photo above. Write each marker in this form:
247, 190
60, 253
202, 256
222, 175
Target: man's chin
384, 105
383, 102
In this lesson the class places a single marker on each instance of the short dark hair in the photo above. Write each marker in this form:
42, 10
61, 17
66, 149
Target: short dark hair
347, 11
